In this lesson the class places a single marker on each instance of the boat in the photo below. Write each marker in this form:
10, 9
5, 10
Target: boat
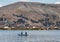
23, 34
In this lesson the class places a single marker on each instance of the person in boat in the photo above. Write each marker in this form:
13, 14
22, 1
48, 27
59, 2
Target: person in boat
26, 34
20, 34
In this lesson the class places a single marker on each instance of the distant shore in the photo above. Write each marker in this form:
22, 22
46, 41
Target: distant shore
29, 29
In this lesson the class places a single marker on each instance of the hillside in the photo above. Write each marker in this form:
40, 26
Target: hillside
26, 14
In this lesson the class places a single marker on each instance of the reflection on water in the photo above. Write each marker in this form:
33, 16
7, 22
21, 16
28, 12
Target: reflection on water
33, 36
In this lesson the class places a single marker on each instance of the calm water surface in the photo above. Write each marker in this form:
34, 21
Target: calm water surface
33, 36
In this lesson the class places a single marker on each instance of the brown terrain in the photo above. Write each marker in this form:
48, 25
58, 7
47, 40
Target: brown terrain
29, 14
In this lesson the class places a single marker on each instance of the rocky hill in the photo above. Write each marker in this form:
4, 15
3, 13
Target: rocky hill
24, 14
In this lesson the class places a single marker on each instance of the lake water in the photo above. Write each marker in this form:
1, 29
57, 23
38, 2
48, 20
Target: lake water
33, 36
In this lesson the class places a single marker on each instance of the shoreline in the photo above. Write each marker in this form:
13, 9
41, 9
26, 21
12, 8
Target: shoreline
29, 29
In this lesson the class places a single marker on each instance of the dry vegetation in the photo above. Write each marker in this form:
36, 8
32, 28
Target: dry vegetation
29, 29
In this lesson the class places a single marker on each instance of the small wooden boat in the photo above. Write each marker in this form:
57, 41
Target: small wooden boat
23, 34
